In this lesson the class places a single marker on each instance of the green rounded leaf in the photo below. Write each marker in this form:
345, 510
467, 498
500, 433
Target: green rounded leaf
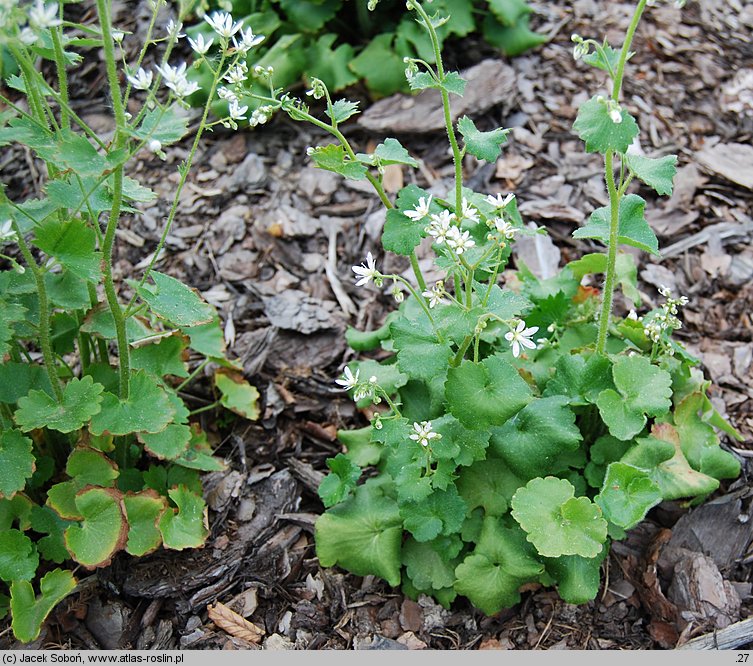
172, 300
52, 546
558, 523
185, 526
441, 513
73, 243
91, 467
489, 484
81, 400
430, 565
627, 495
236, 394
143, 511
657, 173
30, 611
601, 134
363, 535
169, 444
341, 480
18, 556
492, 574
103, 529
486, 394
577, 578
147, 409
17, 463
484, 145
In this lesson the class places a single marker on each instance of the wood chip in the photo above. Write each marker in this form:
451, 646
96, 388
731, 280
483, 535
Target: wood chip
235, 625
733, 161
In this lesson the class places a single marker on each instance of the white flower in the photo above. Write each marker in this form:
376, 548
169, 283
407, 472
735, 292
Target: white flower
420, 210
154, 145
261, 116
348, 380
521, 336
237, 112
117, 36
423, 434
247, 41
142, 80
665, 291
366, 272
440, 225
174, 29
460, 241
498, 202
222, 23
200, 46
7, 234
227, 94
615, 112
468, 212
43, 16
505, 228
172, 74
27, 36
183, 87
237, 74
435, 295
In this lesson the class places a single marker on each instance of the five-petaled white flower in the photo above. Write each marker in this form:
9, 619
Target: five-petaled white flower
521, 336
199, 45
468, 212
183, 87
440, 225
172, 74
420, 210
238, 74
7, 234
460, 241
247, 41
173, 29
423, 433
348, 381
43, 16
366, 272
435, 295
141, 80
236, 111
505, 228
500, 202
222, 23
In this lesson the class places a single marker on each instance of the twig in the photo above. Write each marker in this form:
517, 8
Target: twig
728, 638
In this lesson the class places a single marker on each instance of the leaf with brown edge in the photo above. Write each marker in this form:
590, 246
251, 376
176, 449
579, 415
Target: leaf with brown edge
235, 625
237, 394
143, 510
103, 530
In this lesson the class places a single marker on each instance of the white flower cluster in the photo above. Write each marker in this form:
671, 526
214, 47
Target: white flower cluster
361, 390
502, 230
40, 17
665, 320
443, 226
436, 294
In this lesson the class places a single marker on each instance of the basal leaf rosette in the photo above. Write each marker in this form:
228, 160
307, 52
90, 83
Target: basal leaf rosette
17, 462
81, 400
103, 530
29, 611
363, 535
557, 522
643, 390
491, 575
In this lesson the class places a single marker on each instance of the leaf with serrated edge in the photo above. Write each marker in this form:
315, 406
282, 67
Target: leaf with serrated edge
441, 513
17, 463
236, 394
601, 134
30, 611
489, 484
169, 443
633, 228
486, 394
72, 243
430, 565
103, 530
174, 301
341, 480
557, 522
363, 535
627, 495
657, 172
185, 526
484, 145
147, 409
81, 400
578, 578
143, 512
18, 556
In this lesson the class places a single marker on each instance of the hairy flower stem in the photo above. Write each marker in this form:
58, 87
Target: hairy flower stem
119, 140
457, 157
45, 343
615, 193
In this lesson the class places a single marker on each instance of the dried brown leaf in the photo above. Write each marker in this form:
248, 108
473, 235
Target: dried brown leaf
235, 625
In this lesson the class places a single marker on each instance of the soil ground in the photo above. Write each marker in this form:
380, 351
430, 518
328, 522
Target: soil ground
270, 241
